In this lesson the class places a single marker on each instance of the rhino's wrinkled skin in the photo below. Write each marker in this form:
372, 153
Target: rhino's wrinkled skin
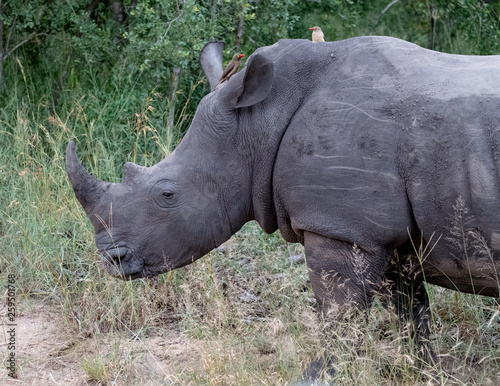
352, 148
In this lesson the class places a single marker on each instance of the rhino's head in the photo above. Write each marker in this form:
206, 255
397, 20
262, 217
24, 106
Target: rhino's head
168, 215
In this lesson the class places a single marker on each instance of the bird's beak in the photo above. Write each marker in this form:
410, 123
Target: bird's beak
311, 28
242, 55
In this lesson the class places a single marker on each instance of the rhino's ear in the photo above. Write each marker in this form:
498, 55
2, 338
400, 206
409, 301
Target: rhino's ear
211, 61
252, 85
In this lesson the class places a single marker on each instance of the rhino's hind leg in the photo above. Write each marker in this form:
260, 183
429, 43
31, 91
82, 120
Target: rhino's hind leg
411, 302
344, 279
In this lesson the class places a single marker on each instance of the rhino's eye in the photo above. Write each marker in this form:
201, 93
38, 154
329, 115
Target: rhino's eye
163, 193
167, 198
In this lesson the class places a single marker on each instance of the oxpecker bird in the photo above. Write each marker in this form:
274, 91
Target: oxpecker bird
231, 68
317, 35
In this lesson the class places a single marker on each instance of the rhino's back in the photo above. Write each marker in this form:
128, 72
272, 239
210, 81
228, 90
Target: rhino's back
383, 62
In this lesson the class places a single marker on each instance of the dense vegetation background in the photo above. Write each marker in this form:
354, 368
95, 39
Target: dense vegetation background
132, 66
117, 58
122, 78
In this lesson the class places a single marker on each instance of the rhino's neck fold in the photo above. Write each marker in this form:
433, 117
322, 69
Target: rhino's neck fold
264, 210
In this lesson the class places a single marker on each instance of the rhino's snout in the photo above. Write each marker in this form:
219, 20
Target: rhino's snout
116, 260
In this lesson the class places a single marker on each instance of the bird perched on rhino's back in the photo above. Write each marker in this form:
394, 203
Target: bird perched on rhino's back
231, 68
317, 35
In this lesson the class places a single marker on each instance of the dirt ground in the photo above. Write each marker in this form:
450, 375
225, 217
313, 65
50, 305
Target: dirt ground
49, 352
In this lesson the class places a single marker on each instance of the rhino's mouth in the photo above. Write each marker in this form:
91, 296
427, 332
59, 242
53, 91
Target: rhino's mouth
119, 262
123, 263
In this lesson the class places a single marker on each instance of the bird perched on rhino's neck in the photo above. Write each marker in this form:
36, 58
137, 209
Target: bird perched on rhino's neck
317, 35
231, 68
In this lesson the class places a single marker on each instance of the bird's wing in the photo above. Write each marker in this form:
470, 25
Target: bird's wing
227, 70
234, 70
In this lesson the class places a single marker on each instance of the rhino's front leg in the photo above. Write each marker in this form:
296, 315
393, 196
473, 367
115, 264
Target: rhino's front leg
344, 278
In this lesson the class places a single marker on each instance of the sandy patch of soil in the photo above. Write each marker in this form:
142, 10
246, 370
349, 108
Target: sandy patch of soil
48, 352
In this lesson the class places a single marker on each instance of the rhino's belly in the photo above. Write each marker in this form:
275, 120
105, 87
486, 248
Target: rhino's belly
475, 275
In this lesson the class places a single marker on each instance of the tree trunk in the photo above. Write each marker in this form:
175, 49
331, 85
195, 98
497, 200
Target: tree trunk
239, 31
1, 44
432, 25
117, 12
92, 7
171, 108
115, 7
58, 88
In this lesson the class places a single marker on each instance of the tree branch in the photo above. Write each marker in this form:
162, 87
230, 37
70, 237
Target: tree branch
27, 40
1, 31
389, 6
10, 34
253, 41
181, 11
239, 30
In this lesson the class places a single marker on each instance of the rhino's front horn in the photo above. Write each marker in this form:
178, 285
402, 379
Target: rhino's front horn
88, 189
